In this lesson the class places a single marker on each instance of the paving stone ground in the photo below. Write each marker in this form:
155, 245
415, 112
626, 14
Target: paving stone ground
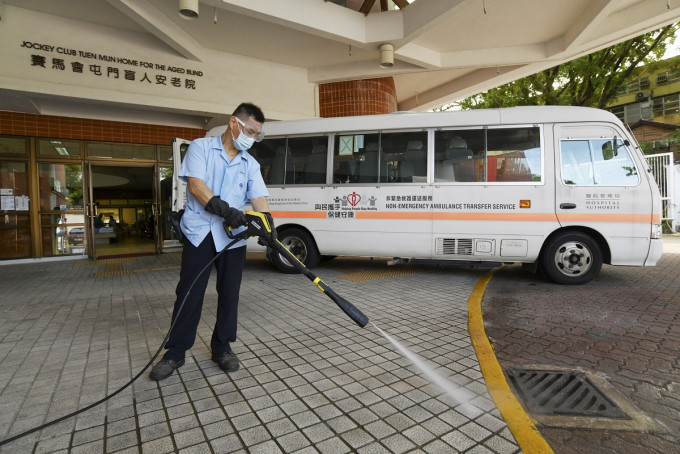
310, 381
624, 326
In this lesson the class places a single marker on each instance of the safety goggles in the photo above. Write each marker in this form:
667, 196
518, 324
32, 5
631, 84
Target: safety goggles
251, 131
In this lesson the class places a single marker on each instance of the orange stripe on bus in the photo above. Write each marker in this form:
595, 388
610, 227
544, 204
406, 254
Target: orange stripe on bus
455, 216
472, 216
536, 217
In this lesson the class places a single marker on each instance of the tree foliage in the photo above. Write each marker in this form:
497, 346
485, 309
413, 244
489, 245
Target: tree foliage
592, 80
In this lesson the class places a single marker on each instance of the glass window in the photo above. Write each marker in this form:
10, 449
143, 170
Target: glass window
13, 186
62, 234
513, 154
13, 146
488, 155
165, 153
577, 166
54, 147
358, 159
121, 151
309, 159
276, 161
380, 158
299, 160
406, 156
61, 186
597, 162
459, 155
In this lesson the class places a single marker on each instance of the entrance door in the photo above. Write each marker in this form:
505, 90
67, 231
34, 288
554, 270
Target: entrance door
599, 186
122, 212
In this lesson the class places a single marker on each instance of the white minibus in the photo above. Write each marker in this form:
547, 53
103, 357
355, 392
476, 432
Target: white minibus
565, 189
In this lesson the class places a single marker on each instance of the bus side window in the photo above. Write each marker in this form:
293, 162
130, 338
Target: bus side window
405, 155
358, 159
373, 167
282, 170
577, 167
303, 151
264, 152
596, 162
454, 157
414, 166
612, 166
315, 169
513, 154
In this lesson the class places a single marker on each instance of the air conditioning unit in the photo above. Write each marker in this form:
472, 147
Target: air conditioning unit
662, 78
641, 95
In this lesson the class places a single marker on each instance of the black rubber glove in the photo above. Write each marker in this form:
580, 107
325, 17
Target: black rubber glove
232, 217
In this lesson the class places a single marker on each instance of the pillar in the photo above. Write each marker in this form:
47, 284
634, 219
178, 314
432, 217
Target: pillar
357, 97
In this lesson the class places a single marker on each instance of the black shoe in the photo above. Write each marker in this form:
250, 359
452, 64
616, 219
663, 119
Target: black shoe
227, 361
164, 368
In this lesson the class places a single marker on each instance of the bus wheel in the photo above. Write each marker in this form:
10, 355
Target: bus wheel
301, 245
572, 258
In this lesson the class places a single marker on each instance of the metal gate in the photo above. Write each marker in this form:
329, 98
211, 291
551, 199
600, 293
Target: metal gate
664, 174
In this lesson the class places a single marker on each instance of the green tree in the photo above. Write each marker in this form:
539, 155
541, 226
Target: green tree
590, 81
74, 182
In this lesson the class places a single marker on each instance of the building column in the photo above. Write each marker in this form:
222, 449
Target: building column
357, 97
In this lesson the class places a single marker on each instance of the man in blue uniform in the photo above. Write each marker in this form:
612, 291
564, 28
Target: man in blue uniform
221, 175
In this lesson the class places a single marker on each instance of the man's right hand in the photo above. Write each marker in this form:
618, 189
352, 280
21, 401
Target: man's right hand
233, 217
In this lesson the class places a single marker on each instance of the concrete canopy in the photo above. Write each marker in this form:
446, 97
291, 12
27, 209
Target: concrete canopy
443, 49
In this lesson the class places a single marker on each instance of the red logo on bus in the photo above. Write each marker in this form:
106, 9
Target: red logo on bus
353, 199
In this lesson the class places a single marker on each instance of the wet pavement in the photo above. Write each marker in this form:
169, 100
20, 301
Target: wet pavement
310, 380
624, 327
313, 381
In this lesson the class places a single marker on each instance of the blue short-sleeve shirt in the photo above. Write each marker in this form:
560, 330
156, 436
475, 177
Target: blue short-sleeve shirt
235, 182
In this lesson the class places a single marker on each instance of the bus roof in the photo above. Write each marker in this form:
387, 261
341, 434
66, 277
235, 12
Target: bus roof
408, 120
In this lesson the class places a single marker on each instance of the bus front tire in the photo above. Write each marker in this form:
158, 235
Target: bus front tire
572, 258
301, 245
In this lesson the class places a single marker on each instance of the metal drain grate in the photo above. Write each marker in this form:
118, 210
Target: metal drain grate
383, 273
562, 393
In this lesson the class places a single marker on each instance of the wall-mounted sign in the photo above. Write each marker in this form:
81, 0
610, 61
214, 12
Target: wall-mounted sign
113, 67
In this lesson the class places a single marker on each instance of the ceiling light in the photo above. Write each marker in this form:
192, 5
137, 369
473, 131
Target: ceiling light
386, 55
188, 9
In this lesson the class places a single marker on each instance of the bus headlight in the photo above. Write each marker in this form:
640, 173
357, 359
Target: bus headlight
656, 231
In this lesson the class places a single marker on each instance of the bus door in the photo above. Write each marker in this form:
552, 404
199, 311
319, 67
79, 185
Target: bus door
179, 197
600, 185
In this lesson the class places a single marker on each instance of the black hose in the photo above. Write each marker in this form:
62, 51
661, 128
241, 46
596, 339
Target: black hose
118, 391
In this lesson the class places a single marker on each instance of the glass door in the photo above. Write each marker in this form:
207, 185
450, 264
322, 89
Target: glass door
15, 225
122, 210
62, 219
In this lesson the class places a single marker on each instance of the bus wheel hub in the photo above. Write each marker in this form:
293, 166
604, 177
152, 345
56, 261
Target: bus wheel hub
573, 258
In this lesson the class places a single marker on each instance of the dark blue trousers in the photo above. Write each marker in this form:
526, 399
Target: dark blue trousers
229, 268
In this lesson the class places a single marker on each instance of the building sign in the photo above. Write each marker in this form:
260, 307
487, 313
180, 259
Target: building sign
76, 61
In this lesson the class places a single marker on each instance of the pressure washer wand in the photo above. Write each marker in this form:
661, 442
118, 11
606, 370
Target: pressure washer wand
347, 307
258, 225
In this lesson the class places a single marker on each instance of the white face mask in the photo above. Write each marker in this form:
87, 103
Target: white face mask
243, 142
